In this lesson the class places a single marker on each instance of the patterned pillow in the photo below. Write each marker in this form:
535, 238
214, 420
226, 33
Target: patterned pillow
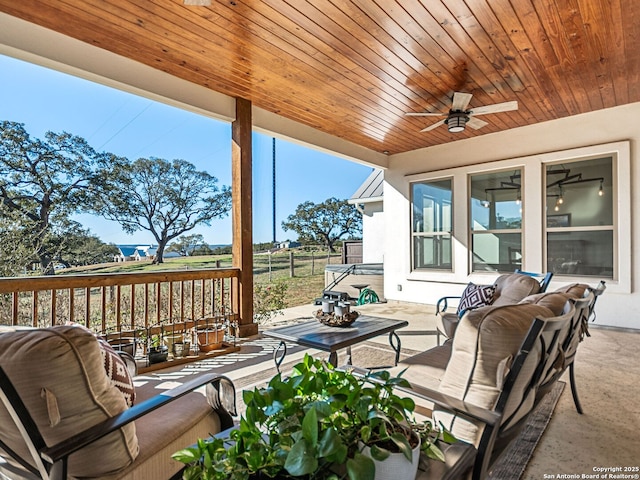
117, 372
475, 296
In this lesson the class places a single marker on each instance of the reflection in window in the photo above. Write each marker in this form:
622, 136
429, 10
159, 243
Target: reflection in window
580, 227
431, 224
496, 221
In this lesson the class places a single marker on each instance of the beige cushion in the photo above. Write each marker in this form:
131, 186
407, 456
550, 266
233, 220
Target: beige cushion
552, 300
486, 341
510, 288
513, 287
60, 376
170, 428
447, 322
426, 368
576, 290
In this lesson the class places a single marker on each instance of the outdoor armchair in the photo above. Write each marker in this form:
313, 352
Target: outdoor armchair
62, 416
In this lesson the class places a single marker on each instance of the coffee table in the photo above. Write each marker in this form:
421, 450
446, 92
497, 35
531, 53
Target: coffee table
314, 334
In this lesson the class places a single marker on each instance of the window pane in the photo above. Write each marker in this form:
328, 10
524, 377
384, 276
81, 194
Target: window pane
495, 201
580, 253
432, 206
500, 252
432, 252
580, 194
432, 224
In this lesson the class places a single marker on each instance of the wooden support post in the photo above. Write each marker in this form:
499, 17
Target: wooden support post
242, 216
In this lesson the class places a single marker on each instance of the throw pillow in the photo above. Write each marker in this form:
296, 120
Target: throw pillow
117, 372
475, 296
114, 366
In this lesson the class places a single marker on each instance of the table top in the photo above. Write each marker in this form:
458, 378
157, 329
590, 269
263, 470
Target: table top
314, 334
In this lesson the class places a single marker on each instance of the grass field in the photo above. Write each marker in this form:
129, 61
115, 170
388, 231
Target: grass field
306, 284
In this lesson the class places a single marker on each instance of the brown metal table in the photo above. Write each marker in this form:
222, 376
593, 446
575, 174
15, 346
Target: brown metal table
314, 334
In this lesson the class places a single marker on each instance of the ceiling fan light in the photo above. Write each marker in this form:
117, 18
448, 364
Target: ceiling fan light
456, 122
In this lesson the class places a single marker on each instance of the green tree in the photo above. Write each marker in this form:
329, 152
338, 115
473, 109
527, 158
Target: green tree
16, 255
201, 250
165, 198
185, 245
43, 182
324, 223
79, 247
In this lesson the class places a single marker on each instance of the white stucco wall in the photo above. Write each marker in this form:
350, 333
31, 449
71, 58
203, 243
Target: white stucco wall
528, 147
373, 233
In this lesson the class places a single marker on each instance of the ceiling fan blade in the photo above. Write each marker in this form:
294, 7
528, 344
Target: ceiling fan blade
435, 125
476, 123
460, 101
424, 114
495, 108
201, 3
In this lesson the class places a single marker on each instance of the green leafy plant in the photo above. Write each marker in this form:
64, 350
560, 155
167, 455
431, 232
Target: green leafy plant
268, 300
315, 425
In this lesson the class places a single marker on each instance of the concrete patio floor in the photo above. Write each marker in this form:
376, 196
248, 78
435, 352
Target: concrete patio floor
608, 379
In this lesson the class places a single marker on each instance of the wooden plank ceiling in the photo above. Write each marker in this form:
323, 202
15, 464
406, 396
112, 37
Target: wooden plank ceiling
353, 68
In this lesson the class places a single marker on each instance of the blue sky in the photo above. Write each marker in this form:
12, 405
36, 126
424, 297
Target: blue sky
134, 127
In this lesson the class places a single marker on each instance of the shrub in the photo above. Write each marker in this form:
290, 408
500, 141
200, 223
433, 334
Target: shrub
268, 300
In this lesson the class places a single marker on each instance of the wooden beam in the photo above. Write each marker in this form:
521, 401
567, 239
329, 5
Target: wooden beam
241, 179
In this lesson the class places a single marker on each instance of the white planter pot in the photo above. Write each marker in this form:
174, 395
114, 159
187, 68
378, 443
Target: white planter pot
396, 466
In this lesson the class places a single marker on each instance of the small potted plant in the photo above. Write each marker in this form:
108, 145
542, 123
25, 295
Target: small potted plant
158, 352
211, 337
317, 423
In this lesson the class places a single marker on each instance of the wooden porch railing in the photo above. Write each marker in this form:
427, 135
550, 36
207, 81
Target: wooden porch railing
120, 302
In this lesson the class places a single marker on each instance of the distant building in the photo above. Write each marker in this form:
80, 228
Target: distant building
368, 199
130, 253
289, 244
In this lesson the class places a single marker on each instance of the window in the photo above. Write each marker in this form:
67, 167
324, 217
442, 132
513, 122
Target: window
580, 221
496, 221
431, 224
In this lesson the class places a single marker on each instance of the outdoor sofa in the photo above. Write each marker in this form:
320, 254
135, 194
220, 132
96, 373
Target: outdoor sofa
476, 368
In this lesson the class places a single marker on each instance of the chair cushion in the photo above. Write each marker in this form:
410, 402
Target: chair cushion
475, 296
426, 368
447, 322
552, 300
486, 341
513, 287
576, 290
59, 374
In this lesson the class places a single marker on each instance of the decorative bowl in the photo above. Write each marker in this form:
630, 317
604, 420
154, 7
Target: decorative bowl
332, 320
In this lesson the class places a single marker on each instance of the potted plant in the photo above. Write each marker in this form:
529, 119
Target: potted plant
211, 337
317, 423
158, 352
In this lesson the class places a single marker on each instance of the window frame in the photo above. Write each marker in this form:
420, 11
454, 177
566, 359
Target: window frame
436, 233
472, 232
614, 227
533, 215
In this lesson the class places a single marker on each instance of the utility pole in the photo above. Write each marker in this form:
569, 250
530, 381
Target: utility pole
274, 189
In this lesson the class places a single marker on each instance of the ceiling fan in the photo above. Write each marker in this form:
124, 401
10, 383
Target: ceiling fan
458, 116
